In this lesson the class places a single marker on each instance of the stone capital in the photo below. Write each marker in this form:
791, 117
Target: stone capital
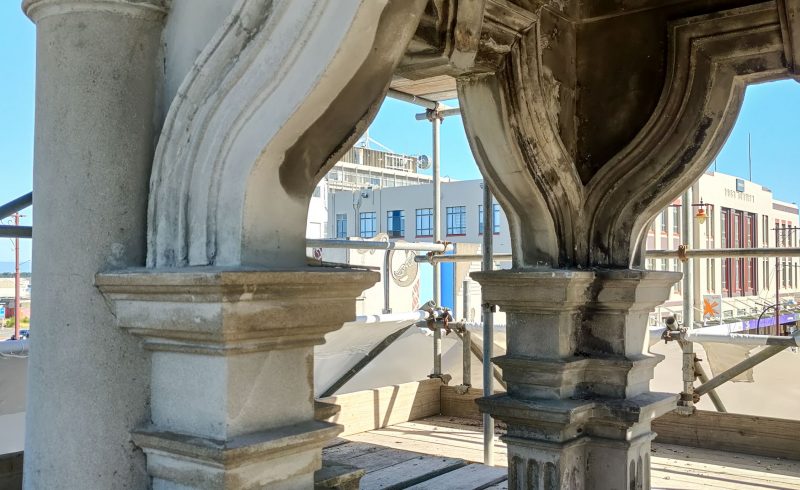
37, 10
212, 310
535, 290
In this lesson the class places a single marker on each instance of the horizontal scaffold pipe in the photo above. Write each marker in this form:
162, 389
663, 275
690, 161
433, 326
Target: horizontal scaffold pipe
460, 258
365, 245
15, 347
17, 204
741, 339
11, 231
413, 99
441, 113
725, 252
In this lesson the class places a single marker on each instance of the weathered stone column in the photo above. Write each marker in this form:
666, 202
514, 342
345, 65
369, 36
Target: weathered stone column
232, 369
96, 84
578, 375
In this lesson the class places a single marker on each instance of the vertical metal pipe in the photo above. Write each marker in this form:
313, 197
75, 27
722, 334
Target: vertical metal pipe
437, 237
386, 274
688, 266
687, 348
488, 327
16, 281
466, 340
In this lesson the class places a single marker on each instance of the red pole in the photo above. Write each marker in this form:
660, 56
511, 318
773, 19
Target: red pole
16, 281
777, 287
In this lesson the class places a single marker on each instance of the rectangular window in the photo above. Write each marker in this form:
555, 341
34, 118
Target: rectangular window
368, 224
425, 222
341, 226
495, 219
748, 233
765, 230
710, 275
676, 267
725, 237
396, 223
676, 220
457, 220
664, 225
664, 265
710, 230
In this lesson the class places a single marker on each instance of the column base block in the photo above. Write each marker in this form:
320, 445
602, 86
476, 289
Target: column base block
286, 457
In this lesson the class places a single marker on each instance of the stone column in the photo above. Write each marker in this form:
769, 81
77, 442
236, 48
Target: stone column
96, 84
232, 369
578, 374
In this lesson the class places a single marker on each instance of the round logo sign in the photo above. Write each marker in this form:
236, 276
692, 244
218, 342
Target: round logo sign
404, 268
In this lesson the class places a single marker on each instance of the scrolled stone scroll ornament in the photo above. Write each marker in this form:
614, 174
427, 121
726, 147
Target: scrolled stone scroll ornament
404, 268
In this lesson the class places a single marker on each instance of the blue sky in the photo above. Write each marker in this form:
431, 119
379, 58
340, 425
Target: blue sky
771, 114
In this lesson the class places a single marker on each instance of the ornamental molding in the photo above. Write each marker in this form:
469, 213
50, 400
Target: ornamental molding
278, 94
523, 136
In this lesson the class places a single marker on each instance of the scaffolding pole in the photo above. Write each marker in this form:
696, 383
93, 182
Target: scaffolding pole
437, 237
488, 327
466, 339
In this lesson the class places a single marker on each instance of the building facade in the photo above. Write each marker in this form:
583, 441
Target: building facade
407, 213
740, 214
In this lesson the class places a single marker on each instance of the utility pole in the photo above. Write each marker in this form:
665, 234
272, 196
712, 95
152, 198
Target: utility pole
777, 286
16, 280
749, 159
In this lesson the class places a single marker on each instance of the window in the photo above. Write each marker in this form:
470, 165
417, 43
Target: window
765, 230
676, 267
651, 264
457, 220
317, 192
710, 276
341, 226
765, 272
710, 230
495, 219
676, 220
396, 223
368, 223
425, 222
664, 216
664, 265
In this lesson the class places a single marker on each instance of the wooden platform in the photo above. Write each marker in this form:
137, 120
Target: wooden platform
443, 452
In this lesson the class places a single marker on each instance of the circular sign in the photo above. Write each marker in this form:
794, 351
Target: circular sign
403, 267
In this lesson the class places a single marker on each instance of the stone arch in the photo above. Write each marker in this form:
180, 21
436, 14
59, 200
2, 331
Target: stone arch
277, 95
564, 212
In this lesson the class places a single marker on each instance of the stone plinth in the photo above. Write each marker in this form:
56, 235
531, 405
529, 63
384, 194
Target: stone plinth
232, 369
578, 374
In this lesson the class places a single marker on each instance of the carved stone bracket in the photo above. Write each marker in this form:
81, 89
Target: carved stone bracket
527, 128
281, 91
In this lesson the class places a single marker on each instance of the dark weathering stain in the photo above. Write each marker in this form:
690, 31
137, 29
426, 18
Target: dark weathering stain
356, 105
699, 138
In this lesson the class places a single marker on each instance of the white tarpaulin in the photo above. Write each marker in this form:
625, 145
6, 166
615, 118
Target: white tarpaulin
722, 357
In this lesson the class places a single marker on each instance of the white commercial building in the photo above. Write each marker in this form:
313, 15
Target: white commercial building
740, 214
361, 169
407, 213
